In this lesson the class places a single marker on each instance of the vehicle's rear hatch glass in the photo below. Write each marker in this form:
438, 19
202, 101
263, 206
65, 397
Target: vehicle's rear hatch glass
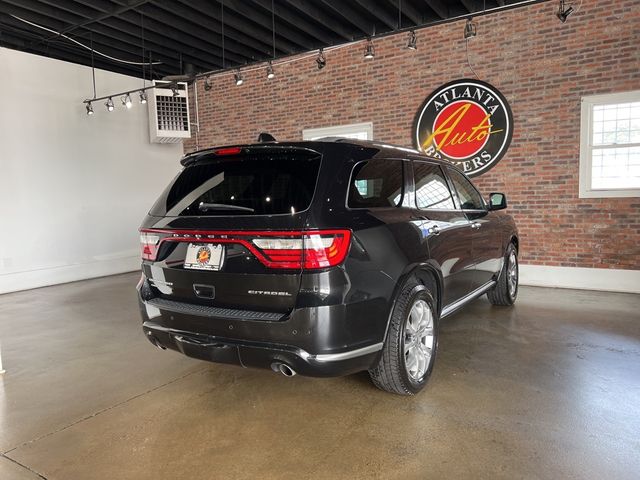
250, 184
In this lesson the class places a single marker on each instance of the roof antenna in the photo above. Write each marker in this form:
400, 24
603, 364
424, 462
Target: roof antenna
265, 137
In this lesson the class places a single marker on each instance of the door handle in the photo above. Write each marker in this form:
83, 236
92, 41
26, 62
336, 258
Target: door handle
476, 225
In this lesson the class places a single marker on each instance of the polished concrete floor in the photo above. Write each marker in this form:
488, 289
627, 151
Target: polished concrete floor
547, 389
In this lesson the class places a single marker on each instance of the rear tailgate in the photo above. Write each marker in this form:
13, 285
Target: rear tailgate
229, 231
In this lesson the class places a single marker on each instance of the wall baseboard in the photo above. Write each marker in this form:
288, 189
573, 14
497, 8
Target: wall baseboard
604, 279
13, 282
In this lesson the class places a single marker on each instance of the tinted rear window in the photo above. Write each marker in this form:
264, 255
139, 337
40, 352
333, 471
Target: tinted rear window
376, 183
249, 185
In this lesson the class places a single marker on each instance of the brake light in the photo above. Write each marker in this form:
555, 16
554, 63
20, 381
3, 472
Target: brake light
149, 245
311, 250
228, 151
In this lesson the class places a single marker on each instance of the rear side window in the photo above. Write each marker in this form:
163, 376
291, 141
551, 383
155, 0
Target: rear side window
248, 185
376, 183
432, 191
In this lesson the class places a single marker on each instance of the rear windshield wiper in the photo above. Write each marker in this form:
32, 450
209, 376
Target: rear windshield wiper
223, 206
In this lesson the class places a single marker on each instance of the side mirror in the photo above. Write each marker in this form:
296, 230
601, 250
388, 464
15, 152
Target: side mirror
497, 201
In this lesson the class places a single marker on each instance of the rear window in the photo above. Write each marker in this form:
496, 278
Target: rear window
376, 183
248, 185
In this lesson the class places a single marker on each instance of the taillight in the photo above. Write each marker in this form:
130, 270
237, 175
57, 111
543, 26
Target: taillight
149, 245
311, 250
308, 250
325, 249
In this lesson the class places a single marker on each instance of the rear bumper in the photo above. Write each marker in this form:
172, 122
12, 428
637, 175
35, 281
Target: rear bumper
260, 354
323, 341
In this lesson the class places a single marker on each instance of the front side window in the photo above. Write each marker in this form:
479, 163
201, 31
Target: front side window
376, 183
432, 191
469, 197
610, 145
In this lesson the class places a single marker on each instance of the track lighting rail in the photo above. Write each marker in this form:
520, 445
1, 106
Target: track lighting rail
128, 92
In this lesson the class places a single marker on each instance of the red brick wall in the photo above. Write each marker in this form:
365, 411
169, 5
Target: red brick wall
543, 68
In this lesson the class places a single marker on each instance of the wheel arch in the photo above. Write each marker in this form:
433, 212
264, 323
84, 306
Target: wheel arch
514, 239
428, 275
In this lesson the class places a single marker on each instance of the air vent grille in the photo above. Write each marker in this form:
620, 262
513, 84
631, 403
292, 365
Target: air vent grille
169, 113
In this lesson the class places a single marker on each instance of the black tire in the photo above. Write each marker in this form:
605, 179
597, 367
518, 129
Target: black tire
390, 374
502, 294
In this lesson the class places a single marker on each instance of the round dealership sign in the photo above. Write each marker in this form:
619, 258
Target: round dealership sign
467, 122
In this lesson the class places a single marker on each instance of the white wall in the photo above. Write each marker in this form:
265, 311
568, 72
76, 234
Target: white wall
603, 279
73, 188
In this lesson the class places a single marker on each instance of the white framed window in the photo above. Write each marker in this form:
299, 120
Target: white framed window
360, 131
610, 145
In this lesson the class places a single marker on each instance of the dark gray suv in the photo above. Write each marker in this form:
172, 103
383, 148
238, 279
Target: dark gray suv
321, 258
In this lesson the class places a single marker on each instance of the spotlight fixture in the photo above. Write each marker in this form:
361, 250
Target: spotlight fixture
469, 29
369, 51
126, 101
564, 11
143, 96
412, 41
321, 60
270, 73
238, 77
89, 109
207, 84
174, 89
109, 104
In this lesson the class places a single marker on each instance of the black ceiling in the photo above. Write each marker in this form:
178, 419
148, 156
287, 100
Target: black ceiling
186, 35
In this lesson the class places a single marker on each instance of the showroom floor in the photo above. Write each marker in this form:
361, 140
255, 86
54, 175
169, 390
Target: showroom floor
548, 389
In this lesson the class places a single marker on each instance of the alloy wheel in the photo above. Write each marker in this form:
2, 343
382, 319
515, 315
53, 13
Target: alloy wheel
512, 274
418, 340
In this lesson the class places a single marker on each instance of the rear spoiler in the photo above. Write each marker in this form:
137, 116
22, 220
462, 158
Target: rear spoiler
236, 150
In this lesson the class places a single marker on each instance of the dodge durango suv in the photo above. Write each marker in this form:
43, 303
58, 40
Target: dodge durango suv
322, 258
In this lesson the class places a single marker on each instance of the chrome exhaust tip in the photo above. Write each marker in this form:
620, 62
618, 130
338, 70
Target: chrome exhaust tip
283, 368
155, 341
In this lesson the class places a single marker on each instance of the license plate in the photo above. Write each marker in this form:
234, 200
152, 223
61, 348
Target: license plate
204, 256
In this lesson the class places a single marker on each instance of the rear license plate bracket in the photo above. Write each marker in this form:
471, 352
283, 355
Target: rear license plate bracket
204, 256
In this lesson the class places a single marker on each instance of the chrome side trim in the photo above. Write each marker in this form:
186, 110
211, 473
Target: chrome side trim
449, 309
336, 357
